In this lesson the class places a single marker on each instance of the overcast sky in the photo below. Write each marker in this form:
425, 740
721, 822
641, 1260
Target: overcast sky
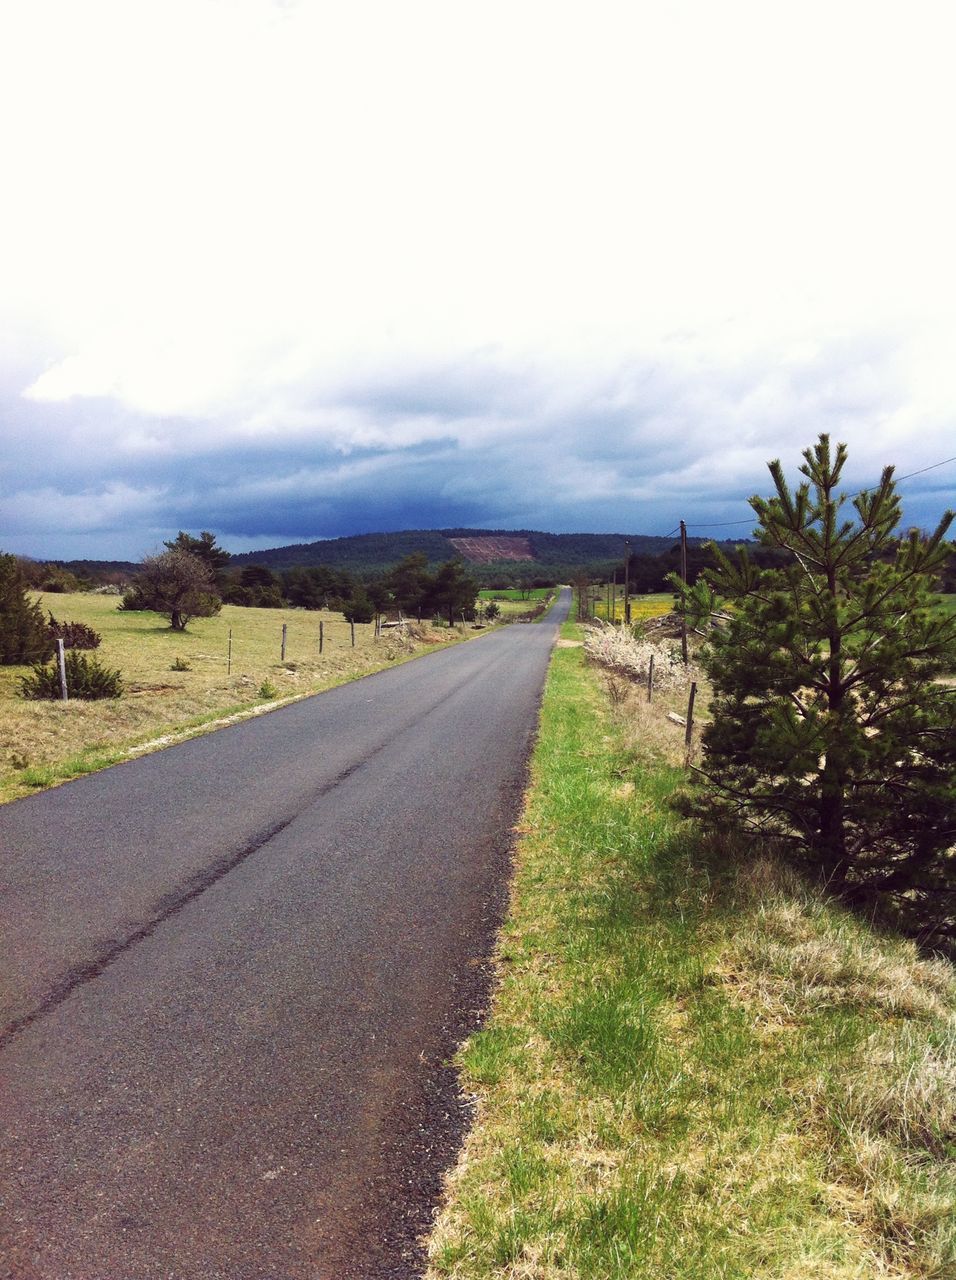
294, 270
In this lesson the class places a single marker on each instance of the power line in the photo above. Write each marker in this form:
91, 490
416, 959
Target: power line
726, 524
910, 474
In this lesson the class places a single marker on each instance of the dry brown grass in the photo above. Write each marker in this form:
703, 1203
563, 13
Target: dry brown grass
42, 743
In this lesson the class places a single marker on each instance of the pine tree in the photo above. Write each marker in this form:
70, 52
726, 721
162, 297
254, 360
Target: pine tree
830, 729
24, 635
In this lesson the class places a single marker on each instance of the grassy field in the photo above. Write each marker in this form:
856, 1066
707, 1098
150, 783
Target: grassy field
694, 1068
42, 743
643, 607
657, 604
513, 603
535, 593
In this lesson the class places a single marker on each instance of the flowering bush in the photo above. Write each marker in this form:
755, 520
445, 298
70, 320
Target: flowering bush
617, 649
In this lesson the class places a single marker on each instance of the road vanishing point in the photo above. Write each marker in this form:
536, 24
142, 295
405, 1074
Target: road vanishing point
234, 973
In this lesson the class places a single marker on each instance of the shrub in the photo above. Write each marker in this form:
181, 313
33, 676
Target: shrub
85, 678
180, 664
75, 635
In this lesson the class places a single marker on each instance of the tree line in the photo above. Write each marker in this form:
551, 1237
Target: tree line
192, 578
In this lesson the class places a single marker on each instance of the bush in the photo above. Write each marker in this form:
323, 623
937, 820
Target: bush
85, 678
75, 635
359, 608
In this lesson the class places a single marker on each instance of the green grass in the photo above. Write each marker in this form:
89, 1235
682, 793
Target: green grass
690, 1065
514, 603
534, 593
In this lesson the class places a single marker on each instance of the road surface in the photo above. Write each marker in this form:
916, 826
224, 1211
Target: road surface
234, 971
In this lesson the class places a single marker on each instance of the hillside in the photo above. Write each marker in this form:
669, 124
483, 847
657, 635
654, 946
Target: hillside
370, 551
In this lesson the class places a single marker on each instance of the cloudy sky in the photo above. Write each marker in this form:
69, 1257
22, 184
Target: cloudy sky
294, 270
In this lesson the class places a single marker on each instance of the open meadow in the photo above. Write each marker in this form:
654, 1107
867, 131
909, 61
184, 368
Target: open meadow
643, 607
42, 743
513, 602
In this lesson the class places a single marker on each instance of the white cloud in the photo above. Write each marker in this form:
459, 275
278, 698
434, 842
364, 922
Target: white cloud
246, 224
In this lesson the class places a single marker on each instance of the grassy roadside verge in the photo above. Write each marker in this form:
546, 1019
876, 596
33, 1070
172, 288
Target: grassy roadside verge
693, 1068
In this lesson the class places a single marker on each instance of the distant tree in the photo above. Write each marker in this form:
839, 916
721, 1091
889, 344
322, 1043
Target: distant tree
317, 586
50, 578
178, 585
379, 592
410, 583
24, 635
830, 730
359, 608
453, 592
581, 585
256, 587
206, 549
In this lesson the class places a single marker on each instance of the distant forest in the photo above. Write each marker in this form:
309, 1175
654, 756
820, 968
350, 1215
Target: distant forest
556, 555
559, 557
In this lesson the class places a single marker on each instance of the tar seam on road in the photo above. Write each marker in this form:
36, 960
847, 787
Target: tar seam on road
172, 903
167, 907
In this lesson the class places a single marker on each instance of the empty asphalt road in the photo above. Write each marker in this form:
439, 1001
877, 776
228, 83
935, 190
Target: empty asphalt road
233, 971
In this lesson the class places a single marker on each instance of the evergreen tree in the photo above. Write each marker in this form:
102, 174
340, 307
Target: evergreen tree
24, 634
206, 549
410, 583
453, 591
830, 729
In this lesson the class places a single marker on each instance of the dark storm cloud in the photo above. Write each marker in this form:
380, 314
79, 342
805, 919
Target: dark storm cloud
635, 443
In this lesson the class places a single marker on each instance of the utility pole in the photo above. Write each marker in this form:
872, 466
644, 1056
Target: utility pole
683, 575
627, 581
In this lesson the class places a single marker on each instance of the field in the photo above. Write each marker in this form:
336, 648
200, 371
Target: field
652, 605
695, 1067
46, 742
513, 593
513, 602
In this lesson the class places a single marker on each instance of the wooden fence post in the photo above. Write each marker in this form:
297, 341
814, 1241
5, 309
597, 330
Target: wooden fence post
61, 658
688, 732
650, 678
229, 655
353, 632
321, 636
284, 627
